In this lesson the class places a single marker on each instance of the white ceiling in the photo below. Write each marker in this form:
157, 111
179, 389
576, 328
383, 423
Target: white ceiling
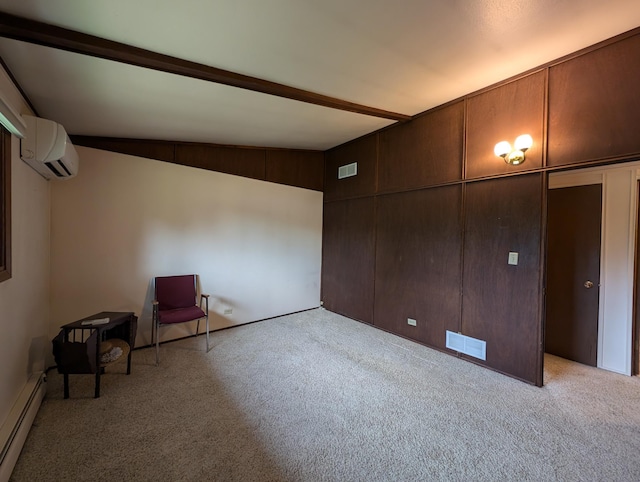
403, 56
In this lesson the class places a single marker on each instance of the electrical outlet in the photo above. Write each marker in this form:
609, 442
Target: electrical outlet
513, 258
411, 321
228, 311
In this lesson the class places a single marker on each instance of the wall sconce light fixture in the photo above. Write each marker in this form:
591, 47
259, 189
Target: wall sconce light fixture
514, 156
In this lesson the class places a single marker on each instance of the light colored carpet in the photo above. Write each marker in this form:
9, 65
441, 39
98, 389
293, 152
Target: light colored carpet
318, 397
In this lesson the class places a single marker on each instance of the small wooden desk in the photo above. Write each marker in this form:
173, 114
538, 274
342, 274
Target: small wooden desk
122, 325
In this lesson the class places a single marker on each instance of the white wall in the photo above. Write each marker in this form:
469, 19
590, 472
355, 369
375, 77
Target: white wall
24, 299
619, 198
124, 220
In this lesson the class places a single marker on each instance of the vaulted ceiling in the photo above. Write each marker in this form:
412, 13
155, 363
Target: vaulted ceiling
400, 57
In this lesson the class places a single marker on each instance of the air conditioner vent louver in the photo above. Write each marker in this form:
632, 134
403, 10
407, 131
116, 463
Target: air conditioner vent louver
55, 170
348, 170
467, 345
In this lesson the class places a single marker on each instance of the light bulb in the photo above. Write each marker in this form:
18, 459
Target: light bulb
523, 142
502, 149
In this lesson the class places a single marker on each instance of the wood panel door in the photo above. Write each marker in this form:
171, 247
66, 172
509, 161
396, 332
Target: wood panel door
573, 272
502, 301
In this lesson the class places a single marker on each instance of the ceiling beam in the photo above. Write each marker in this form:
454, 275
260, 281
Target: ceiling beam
31, 31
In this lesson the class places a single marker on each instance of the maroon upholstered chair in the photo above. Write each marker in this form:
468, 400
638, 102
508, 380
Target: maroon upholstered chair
175, 302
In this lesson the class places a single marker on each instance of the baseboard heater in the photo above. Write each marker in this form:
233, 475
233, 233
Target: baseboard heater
15, 429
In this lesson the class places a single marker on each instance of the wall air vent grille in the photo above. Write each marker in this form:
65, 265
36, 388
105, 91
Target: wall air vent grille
467, 345
348, 170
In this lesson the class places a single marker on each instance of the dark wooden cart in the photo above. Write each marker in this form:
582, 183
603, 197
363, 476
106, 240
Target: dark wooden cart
76, 348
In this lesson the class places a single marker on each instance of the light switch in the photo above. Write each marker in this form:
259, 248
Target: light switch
513, 258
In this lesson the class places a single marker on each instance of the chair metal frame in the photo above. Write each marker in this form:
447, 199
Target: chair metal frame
155, 322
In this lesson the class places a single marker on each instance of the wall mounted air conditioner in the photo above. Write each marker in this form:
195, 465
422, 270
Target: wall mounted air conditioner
46, 148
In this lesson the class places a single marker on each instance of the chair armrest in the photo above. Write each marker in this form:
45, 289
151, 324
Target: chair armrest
206, 299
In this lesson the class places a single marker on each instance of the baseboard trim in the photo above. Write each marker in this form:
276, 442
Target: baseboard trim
14, 431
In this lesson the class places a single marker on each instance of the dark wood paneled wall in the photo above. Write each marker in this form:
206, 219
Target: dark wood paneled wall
296, 168
450, 225
423, 152
503, 114
418, 260
348, 252
292, 167
159, 150
594, 105
364, 151
239, 162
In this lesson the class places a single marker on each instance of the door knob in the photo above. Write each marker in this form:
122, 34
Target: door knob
588, 284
